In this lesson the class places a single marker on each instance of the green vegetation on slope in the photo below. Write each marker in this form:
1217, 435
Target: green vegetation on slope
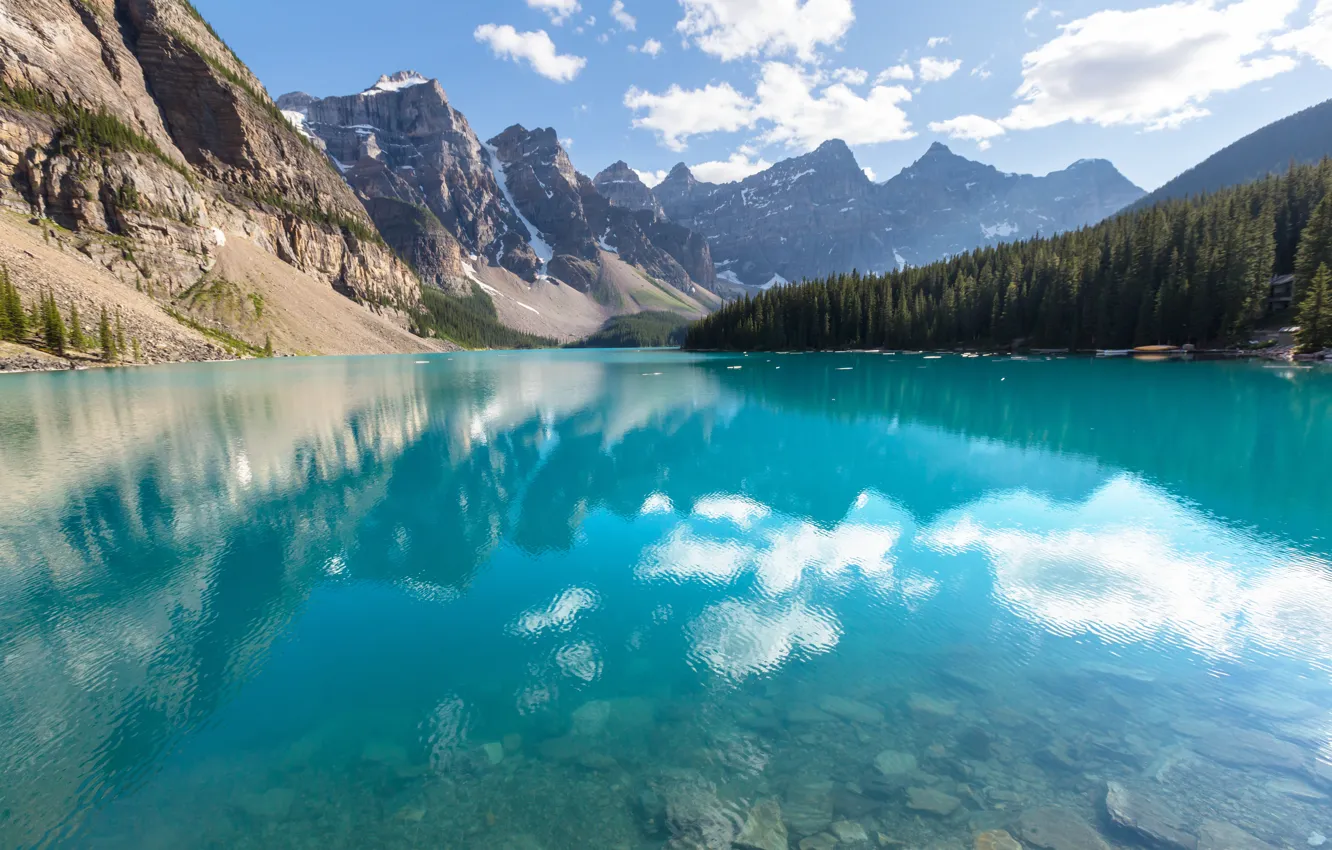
1183, 271
86, 130
470, 321
641, 330
1303, 138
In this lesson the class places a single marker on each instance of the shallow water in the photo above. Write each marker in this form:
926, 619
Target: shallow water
635, 600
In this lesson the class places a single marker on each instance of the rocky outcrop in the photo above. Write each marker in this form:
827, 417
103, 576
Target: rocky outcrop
131, 124
622, 186
819, 214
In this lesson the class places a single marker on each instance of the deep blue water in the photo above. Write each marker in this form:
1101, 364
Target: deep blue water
641, 600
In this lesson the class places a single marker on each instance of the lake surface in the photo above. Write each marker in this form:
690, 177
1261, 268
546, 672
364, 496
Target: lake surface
642, 600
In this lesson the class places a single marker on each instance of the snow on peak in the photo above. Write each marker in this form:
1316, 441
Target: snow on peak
397, 82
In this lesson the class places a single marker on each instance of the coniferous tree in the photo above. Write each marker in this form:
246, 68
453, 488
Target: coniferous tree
120, 336
134, 345
1185, 271
76, 338
13, 321
1316, 313
268, 345
53, 326
106, 338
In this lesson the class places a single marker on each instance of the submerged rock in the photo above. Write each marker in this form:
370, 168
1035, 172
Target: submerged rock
850, 832
1058, 829
927, 709
996, 839
974, 742
931, 801
822, 841
764, 829
849, 709
1296, 788
1248, 748
809, 806
895, 763
1146, 818
1216, 835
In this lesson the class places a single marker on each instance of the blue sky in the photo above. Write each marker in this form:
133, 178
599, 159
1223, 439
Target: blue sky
732, 84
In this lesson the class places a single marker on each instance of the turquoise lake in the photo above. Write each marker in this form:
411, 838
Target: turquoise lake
562, 600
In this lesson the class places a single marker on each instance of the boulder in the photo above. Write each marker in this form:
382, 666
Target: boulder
764, 829
895, 763
849, 709
1250, 748
808, 806
1057, 828
1146, 818
931, 801
996, 839
928, 709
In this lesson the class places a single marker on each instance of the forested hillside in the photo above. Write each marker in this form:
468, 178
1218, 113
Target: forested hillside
1303, 138
1192, 271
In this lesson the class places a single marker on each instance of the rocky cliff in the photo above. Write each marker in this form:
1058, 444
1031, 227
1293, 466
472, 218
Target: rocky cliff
148, 147
818, 214
622, 186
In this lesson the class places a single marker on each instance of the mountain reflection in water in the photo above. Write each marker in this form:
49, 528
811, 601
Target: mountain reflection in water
507, 600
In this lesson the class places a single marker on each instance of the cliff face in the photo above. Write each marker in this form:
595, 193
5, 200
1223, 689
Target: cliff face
401, 141
132, 127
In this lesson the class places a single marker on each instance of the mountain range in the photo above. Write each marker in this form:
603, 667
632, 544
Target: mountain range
150, 175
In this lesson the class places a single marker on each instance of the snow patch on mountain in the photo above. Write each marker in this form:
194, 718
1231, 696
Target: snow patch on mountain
397, 82
543, 250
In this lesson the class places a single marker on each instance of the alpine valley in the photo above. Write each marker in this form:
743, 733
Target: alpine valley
146, 176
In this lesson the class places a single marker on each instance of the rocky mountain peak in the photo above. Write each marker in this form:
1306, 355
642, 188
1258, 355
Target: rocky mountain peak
622, 186
397, 82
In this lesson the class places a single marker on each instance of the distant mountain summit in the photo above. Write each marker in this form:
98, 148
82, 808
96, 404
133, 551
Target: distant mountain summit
819, 214
1305, 137
622, 186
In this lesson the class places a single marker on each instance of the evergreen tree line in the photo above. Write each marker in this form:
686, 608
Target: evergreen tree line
1184, 271
470, 321
650, 329
59, 333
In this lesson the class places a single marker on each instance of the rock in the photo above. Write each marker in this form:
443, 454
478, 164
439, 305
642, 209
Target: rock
590, 718
494, 752
850, 832
1123, 676
683, 804
764, 829
513, 742
1216, 835
927, 709
565, 748
1316, 839
808, 714
996, 839
1147, 818
821, 841
1296, 788
1058, 829
808, 806
1057, 757
1249, 748
895, 763
849, 709
931, 801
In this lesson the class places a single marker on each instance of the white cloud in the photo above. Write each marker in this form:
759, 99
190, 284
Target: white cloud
938, 40
680, 113
735, 29
1152, 68
558, 10
932, 69
1314, 39
566, 142
897, 72
652, 179
869, 172
535, 48
973, 127
651, 47
738, 166
800, 108
981, 71
1033, 12
624, 19
803, 119
851, 76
